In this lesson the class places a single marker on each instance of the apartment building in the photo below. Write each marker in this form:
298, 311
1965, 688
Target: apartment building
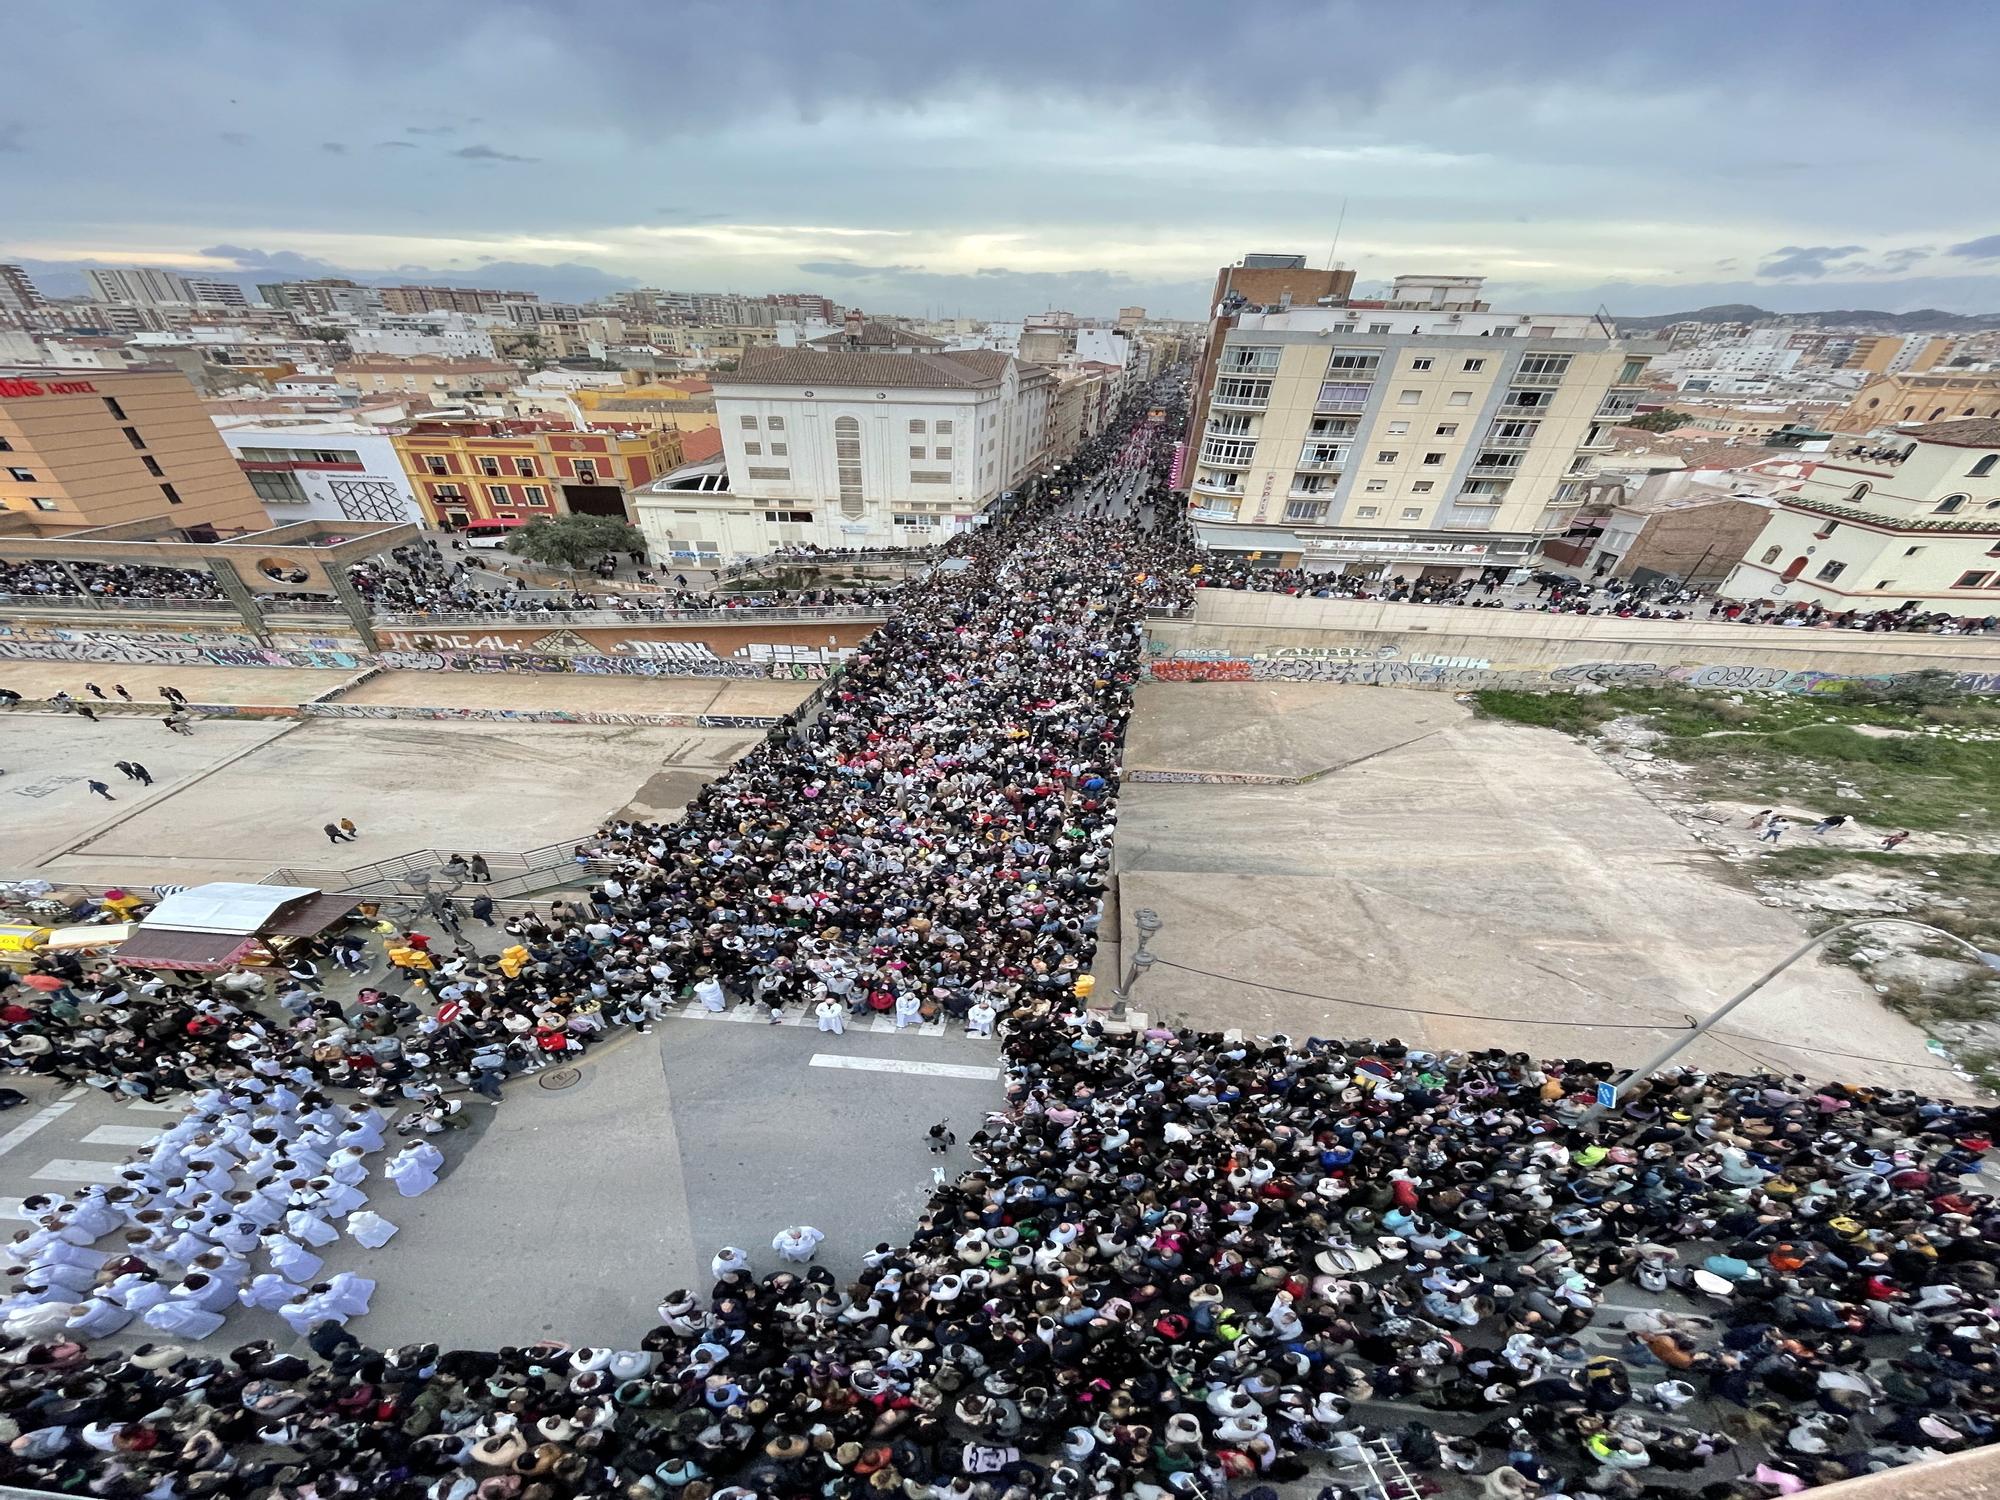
1893, 353
1424, 432
1925, 396
93, 447
485, 469
18, 294
1921, 531
308, 469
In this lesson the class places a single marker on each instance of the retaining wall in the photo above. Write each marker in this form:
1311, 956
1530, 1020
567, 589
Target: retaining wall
1242, 637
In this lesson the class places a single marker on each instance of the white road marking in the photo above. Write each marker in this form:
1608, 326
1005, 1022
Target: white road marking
897, 1065
149, 1107
122, 1135
46, 1115
68, 1169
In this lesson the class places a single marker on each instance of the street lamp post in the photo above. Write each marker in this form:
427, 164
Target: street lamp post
1143, 958
1686, 1039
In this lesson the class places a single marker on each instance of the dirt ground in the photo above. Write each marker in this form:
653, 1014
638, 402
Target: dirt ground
1503, 878
577, 691
38, 679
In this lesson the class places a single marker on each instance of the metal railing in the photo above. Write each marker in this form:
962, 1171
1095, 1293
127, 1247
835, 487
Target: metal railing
115, 602
612, 615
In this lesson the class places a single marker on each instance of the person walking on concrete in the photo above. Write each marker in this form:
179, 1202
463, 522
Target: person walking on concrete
119, 689
86, 710
178, 724
482, 908
347, 827
141, 775
101, 789
798, 1243
125, 769
1773, 831
479, 869
174, 695
95, 690
333, 833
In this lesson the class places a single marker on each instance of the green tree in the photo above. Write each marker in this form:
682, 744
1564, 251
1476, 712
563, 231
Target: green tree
1660, 421
575, 541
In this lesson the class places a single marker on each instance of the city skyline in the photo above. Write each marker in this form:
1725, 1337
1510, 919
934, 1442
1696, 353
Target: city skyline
897, 158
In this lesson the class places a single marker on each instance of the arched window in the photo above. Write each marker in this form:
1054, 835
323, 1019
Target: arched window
847, 460
1873, 402
1793, 568
1908, 412
1936, 412
1859, 492
1951, 503
1771, 554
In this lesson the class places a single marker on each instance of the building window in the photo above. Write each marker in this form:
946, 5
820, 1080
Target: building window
769, 473
25, 476
586, 472
754, 450
916, 424
117, 411
1433, 458
446, 492
921, 523
1385, 456
1972, 580
1423, 486
1911, 551
780, 450
277, 488
1447, 429
749, 423
1473, 366
916, 453
1859, 492
132, 437
941, 453
788, 517
1378, 327
775, 424
1459, 398
930, 476
847, 465
5, 446
534, 494
1979, 470
1366, 512
152, 466
1831, 571
498, 494
1399, 429
1375, 486
1408, 398
1771, 554
524, 468
436, 464
1422, 363
1305, 510
172, 494
1308, 484
42, 502
489, 466
1951, 503
1412, 512
943, 429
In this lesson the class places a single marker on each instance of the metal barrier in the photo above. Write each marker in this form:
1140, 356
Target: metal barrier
746, 615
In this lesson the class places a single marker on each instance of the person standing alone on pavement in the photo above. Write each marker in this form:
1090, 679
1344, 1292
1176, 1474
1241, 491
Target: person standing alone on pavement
141, 775
101, 789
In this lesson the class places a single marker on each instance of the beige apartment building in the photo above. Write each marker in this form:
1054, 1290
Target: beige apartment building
90, 447
1422, 434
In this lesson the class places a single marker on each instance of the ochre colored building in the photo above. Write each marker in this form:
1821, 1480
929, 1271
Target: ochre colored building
89, 447
518, 469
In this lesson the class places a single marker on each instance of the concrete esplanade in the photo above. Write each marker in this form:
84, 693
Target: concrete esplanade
1244, 637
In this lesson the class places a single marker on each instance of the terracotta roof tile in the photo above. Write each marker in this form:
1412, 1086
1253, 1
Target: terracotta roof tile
1960, 432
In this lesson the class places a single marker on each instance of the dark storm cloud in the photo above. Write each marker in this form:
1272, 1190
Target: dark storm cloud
1806, 260
488, 153
1986, 247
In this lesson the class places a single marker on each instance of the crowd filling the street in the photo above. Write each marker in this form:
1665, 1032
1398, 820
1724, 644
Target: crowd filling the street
1181, 1263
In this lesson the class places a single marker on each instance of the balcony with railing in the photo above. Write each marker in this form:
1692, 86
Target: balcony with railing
1228, 426
1540, 378
1598, 440
1230, 453
1538, 406
1342, 396
1243, 361
1495, 466
1616, 408
1216, 484
1511, 435
1242, 395
1320, 458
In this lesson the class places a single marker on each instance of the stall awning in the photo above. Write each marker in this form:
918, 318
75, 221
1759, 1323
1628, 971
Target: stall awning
225, 906
103, 935
309, 917
168, 948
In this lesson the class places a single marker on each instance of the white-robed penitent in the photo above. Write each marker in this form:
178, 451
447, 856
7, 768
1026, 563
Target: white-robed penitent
370, 1229
414, 1169
290, 1259
97, 1318
832, 1016
183, 1319
728, 1259
269, 1291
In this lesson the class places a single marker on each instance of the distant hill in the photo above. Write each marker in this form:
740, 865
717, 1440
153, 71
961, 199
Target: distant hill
1923, 320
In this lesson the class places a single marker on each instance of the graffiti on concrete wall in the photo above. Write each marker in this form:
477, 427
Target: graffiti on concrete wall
1467, 674
384, 711
174, 656
1214, 778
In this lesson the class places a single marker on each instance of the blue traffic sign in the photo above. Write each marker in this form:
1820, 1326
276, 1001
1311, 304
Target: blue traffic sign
1607, 1096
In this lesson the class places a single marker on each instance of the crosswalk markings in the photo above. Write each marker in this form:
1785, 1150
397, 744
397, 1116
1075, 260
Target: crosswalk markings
147, 1106
72, 1169
48, 1114
121, 1135
10, 1208
899, 1065
875, 1025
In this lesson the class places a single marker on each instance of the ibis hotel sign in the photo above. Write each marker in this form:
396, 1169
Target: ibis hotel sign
11, 386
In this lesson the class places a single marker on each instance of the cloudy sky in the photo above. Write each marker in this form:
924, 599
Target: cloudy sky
932, 155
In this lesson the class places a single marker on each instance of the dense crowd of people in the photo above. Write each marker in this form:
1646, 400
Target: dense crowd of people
29, 580
1184, 1264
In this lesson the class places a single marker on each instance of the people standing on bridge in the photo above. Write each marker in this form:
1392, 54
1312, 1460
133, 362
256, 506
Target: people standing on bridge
94, 690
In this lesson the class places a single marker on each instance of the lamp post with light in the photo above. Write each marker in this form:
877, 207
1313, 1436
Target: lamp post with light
1143, 958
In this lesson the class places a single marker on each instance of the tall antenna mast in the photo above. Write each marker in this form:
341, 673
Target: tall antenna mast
1338, 225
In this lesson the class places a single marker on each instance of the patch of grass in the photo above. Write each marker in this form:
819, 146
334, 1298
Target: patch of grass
1573, 712
1962, 891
